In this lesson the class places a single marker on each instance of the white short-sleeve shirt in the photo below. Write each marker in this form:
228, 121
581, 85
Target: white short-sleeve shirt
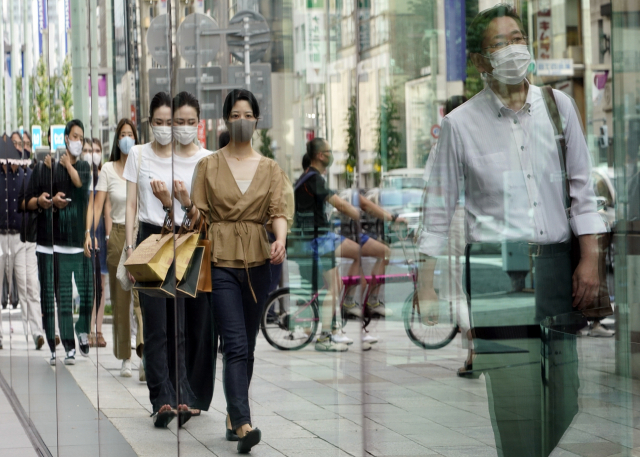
116, 188
154, 167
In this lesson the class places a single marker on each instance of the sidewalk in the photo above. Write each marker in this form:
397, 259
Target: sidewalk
14, 441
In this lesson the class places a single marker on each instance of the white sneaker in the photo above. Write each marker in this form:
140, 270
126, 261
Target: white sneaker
341, 338
142, 376
125, 371
366, 346
584, 331
133, 343
380, 309
70, 359
52, 360
352, 308
599, 331
370, 339
325, 344
299, 333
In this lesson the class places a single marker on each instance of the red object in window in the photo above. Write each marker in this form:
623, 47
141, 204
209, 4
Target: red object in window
310, 135
133, 114
202, 133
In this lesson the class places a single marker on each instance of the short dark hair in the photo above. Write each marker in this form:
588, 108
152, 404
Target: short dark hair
115, 149
71, 124
453, 102
478, 27
224, 139
159, 100
186, 99
313, 148
27, 134
240, 94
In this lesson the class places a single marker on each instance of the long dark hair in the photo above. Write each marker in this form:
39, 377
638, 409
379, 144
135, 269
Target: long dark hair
160, 99
115, 149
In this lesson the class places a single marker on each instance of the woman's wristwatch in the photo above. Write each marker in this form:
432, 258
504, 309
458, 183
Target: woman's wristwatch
187, 209
130, 246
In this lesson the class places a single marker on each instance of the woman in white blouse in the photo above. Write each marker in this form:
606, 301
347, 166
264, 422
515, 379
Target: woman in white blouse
111, 195
167, 164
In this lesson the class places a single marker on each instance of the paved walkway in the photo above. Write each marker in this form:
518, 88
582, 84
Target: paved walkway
395, 400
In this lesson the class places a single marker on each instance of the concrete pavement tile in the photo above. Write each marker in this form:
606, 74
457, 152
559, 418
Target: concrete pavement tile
404, 447
20, 452
466, 451
603, 449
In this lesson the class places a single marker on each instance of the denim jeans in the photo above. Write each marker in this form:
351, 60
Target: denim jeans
159, 324
237, 319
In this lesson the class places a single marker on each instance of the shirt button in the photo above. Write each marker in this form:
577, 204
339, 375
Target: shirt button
541, 232
499, 115
529, 176
535, 203
515, 121
522, 148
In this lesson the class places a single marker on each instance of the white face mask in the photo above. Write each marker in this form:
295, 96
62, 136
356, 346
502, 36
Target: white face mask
97, 158
510, 64
75, 148
162, 134
86, 158
185, 134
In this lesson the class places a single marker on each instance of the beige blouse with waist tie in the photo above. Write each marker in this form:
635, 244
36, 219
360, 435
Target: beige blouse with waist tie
236, 220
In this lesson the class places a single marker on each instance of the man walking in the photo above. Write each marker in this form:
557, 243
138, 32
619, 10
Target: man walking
61, 195
500, 149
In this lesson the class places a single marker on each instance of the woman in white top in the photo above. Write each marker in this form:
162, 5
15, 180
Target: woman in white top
111, 196
160, 171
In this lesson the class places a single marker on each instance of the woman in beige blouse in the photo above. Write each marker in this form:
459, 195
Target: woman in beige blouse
237, 191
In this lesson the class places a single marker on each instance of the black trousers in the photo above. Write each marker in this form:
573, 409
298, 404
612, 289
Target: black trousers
531, 375
164, 319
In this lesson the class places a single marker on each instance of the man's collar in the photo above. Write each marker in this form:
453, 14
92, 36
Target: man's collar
496, 103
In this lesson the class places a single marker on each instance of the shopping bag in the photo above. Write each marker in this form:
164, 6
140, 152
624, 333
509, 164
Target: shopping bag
204, 281
162, 289
186, 244
189, 284
152, 258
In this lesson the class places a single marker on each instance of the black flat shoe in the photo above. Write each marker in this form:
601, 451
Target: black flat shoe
161, 420
249, 440
183, 417
467, 370
232, 435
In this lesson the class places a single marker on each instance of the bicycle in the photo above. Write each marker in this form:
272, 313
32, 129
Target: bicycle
290, 318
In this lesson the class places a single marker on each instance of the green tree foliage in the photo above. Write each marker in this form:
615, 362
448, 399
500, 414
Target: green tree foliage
42, 94
62, 94
265, 144
388, 139
352, 131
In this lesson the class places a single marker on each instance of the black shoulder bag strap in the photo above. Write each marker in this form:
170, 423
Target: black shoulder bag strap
303, 179
554, 115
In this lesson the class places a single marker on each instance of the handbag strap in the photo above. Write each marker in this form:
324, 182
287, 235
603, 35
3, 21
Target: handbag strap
561, 142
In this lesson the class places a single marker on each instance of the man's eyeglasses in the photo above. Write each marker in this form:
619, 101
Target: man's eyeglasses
18, 144
328, 151
504, 44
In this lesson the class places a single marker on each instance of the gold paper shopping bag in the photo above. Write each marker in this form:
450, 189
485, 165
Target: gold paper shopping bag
185, 245
151, 259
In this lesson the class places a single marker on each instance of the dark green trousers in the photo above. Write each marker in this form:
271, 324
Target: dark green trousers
56, 272
531, 376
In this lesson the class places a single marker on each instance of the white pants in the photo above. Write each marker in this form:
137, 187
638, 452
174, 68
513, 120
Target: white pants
19, 259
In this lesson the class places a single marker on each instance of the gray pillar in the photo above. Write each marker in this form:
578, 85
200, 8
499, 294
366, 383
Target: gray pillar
80, 60
15, 62
111, 88
2, 100
28, 67
93, 37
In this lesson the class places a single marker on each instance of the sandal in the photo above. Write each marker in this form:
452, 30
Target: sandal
195, 412
184, 414
92, 340
101, 343
162, 419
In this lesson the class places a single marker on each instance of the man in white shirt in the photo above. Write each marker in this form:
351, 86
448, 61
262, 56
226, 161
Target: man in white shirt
500, 149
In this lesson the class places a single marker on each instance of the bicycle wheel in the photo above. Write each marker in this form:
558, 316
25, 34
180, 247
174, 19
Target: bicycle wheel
290, 320
429, 334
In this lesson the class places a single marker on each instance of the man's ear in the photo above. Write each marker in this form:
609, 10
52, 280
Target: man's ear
480, 62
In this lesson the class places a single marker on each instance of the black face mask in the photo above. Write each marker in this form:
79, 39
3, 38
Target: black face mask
328, 162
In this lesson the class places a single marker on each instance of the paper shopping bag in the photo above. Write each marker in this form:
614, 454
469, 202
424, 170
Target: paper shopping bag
150, 261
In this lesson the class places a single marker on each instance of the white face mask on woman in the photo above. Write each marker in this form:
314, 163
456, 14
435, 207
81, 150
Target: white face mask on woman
97, 158
510, 64
162, 134
185, 134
